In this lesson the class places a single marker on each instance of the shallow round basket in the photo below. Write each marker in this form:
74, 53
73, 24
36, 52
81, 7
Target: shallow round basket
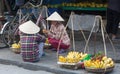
70, 65
99, 70
47, 46
16, 50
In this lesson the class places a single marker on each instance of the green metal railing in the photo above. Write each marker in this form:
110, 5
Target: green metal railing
85, 8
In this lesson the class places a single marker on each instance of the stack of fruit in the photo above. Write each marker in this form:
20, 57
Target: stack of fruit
99, 63
16, 47
102, 63
72, 57
79, 4
85, 4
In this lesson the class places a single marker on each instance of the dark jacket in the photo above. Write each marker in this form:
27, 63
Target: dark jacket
114, 5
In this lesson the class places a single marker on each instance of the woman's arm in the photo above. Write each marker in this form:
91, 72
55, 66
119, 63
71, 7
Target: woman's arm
40, 38
56, 33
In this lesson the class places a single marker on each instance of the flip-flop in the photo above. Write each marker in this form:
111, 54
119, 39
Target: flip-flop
43, 54
61, 51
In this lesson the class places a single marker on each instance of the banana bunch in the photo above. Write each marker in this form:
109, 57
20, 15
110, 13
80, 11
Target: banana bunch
85, 4
62, 59
102, 63
16, 45
72, 57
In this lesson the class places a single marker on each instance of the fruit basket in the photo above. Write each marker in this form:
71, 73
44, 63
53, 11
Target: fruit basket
16, 48
109, 69
99, 64
47, 44
71, 65
73, 60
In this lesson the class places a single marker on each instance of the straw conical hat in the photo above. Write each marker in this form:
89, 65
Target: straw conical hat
55, 17
29, 28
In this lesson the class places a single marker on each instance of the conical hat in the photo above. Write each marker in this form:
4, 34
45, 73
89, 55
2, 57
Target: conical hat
55, 17
29, 28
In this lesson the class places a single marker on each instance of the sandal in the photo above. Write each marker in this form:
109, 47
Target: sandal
61, 51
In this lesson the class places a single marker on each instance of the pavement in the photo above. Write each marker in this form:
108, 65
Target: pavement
12, 69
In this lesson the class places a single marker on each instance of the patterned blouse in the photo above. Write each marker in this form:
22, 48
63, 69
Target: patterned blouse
58, 32
29, 46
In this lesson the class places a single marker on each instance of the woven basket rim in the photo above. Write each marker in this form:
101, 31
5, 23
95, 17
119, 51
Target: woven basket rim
72, 66
99, 70
16, 50
95, 68
61, 63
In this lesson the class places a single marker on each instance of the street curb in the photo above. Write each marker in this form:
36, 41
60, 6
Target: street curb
33, 67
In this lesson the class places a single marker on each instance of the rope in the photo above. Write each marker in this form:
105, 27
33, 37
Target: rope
103, 36
61, 40
89, 36
102, 31
87, 40
108, 37
83, 34
73, 32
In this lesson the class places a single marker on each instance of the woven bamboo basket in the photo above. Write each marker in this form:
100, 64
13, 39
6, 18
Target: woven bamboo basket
16, 50
73, 66
93, 70
46, 46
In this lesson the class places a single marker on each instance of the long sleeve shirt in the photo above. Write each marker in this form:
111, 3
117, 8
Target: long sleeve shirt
29, 46
58, 32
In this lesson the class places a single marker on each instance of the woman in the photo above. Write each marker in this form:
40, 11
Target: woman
57, 33
31, 42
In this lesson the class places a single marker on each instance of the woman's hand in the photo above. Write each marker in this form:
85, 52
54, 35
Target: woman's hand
45, 31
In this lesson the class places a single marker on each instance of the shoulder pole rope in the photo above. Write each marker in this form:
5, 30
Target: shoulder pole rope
73, 37
61, 38
103, 37
83, 33
108, 37
89, 37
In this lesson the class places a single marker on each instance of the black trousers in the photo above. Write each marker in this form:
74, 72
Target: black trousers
113, 18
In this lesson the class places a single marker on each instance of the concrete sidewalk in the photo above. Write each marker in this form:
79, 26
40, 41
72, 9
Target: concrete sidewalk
49, 62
